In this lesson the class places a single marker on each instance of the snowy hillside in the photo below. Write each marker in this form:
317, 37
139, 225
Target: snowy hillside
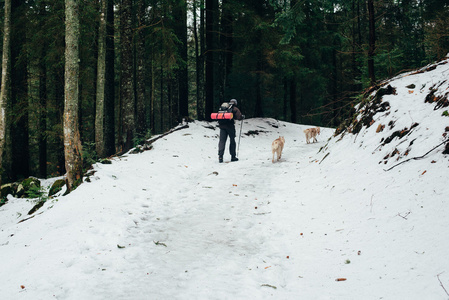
360, 219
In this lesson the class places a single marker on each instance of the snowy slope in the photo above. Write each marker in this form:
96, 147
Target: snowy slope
173, 223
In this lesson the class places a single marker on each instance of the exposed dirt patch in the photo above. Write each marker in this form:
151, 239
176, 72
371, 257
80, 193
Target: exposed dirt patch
368, 110
399, 133
254, 132
440, 101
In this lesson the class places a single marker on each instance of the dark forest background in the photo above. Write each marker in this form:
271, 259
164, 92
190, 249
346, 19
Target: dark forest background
294, 60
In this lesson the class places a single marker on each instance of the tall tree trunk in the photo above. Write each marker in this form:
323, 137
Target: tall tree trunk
43, 121
171, 112
372, 42
101, 82
43, 107
226, 41
153, 89
220, 55
126, 77
258, 112
333, 88
284, 108
19, 93
72, 142
183, 86
197, 62
354, 44
210, 48
293, 100
43, 96
140, 71
56, 94
109, 92
292, 83
202, 56
161, 113
59, 100
5, 92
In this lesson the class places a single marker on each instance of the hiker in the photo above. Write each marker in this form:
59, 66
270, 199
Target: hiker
227, 128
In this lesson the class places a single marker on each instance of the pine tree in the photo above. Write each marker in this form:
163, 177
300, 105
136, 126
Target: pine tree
372, 42
5, 81
140, 70
180, 14
211, 23
127, 99
43, 96
109, 103
101, 82
72, 141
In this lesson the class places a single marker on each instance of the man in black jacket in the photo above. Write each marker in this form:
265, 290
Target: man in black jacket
227, 127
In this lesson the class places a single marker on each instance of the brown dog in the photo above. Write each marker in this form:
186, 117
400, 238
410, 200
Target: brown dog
311, 133
276, 147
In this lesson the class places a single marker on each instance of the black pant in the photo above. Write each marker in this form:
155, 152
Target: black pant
224, 132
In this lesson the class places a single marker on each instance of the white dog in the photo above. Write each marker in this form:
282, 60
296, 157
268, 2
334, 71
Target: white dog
276, 147
311, 133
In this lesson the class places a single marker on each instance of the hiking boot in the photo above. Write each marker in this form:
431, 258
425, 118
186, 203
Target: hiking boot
220, 159
234, 158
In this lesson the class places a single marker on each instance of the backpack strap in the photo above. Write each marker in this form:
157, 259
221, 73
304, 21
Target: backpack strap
228, 109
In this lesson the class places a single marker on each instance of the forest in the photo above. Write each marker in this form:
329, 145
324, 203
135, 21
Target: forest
83, 80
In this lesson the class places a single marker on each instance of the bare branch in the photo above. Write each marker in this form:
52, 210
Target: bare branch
438, 276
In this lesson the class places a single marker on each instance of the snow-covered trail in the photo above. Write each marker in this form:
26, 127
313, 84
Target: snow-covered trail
176, 224
211, 227
173, 223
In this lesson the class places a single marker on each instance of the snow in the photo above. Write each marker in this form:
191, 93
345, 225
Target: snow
173, 223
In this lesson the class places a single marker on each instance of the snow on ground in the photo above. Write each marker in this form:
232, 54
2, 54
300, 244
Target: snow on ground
173, 223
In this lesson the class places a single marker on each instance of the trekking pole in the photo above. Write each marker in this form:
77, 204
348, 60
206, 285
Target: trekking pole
238, 147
